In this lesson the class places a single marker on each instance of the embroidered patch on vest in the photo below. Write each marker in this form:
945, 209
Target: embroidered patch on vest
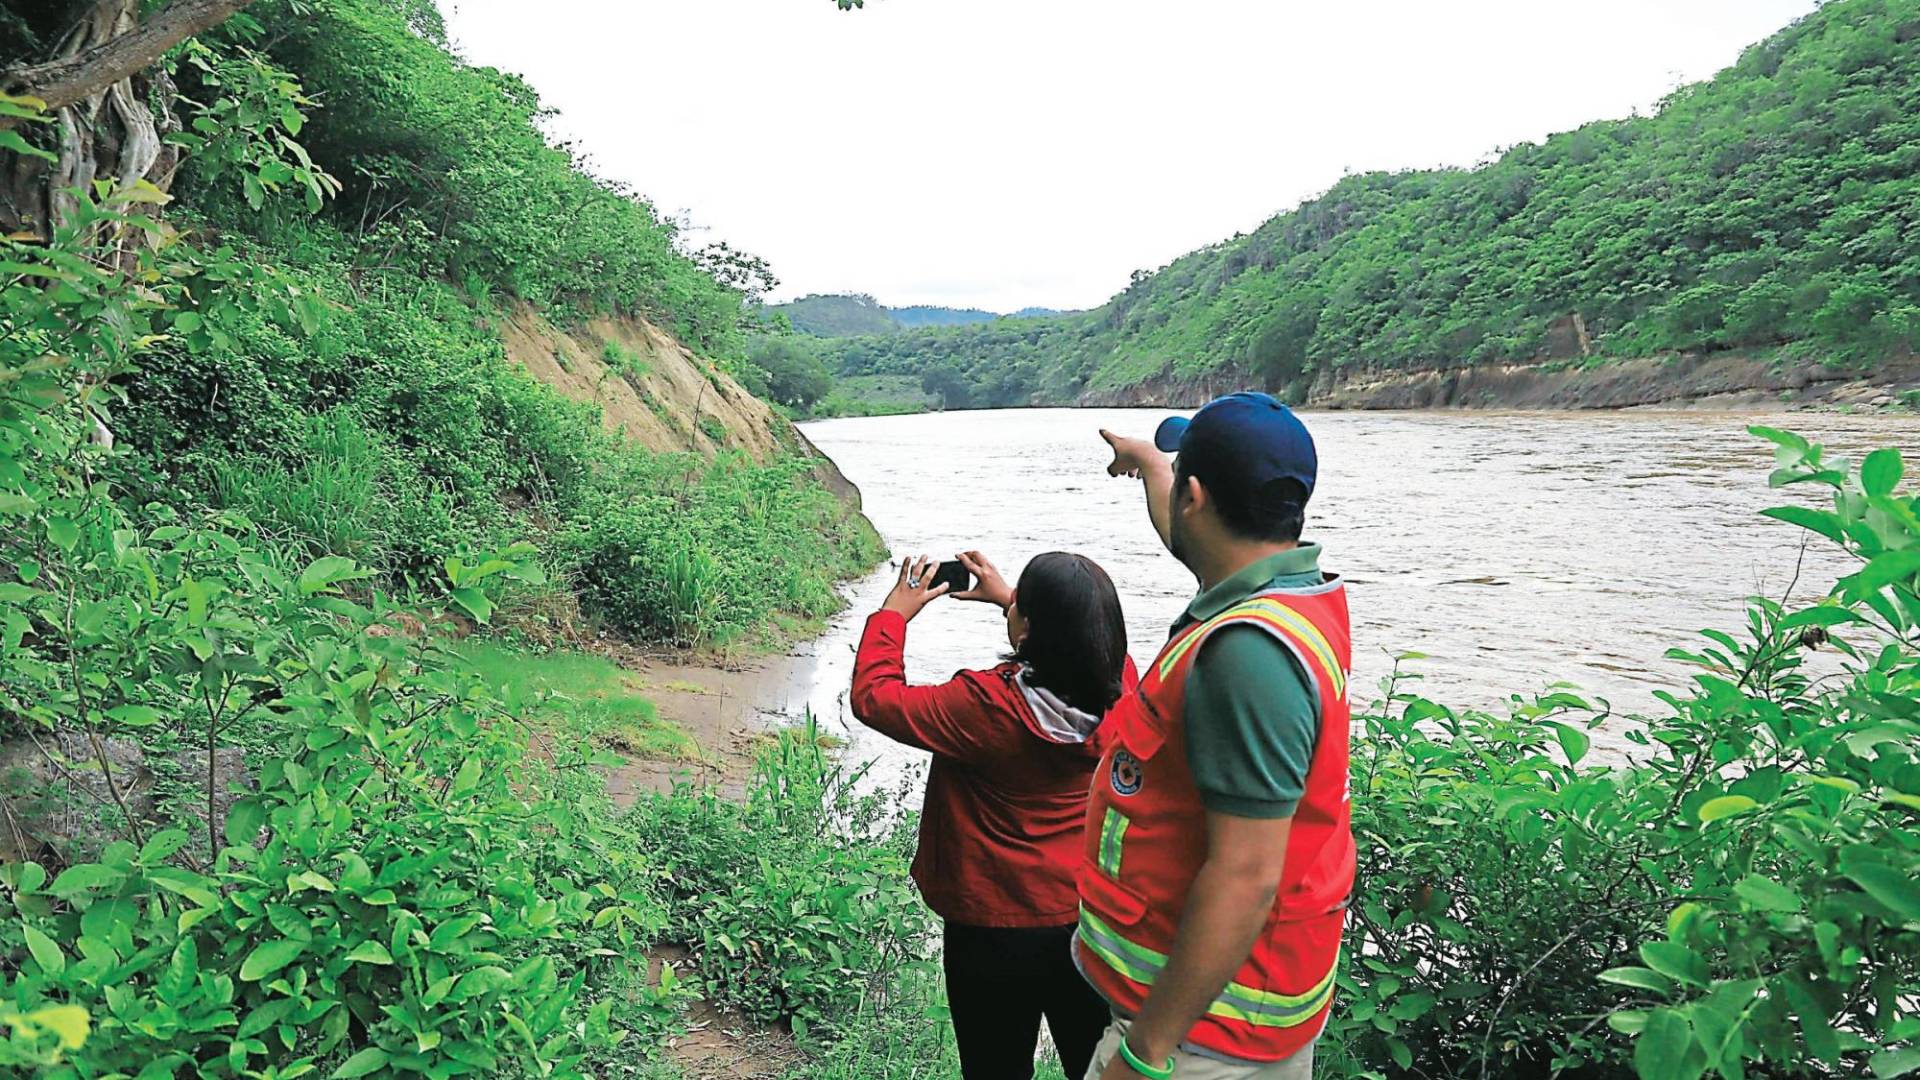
1126, 773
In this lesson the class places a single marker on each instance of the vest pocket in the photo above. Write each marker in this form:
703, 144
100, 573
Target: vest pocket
1115, 901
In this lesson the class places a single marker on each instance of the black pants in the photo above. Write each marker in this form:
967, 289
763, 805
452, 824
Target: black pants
1000, 982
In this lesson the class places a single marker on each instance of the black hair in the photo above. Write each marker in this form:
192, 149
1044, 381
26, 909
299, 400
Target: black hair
1274, 512
1076, 644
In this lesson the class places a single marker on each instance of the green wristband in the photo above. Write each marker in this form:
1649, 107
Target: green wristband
1151, 1072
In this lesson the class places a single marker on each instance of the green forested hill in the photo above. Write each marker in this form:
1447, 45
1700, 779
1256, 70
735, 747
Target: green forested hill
837, 316
855, 314
1773, 207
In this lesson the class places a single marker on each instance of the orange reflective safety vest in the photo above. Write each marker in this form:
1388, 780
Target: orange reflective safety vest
1146, 837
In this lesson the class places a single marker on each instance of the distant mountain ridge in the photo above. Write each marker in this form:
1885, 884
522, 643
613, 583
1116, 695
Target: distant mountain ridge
854, 314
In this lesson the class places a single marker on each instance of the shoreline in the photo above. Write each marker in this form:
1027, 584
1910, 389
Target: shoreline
1691, 383
728, 706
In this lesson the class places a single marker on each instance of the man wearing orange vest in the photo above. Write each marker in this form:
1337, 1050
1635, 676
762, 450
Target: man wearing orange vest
1219, 855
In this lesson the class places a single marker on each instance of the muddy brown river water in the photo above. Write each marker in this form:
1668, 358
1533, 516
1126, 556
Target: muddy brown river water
1515, 550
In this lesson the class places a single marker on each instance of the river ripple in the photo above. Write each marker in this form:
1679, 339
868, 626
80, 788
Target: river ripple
1515, 550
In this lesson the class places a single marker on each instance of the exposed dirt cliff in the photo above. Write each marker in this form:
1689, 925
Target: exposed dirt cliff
654, 390
1688, 381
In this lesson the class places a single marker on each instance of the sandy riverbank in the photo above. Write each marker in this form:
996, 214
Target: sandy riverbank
728, 705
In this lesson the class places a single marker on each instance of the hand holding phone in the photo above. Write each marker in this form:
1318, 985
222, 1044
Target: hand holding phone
954, 576
915, 589
989, 587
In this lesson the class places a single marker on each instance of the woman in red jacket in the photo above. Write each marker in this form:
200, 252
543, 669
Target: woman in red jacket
1006, 799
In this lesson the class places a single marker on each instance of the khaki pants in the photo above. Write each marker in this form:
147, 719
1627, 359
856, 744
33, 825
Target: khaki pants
1194, 1067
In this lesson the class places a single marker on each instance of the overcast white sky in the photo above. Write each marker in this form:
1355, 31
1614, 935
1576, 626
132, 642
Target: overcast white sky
1006, 153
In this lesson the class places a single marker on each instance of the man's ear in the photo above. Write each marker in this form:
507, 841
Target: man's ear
1196, 494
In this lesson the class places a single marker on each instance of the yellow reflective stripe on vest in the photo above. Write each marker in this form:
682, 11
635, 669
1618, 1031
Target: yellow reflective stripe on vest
1297, 628
1179, 649
1260, 1008
1113, 833
1263, 1009
1305, 632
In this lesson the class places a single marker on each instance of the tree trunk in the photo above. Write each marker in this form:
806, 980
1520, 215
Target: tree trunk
112, 110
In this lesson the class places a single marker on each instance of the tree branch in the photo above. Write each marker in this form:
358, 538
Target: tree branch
71, 79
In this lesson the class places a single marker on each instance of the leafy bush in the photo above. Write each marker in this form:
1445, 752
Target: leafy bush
798, 902
1740, 901
683, 549
408, 887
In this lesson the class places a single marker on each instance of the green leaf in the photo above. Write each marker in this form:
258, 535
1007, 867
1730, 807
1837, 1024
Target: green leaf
370, 952
1639, 978
1725, 806
468, 778
269, 958
134, 715
475, 602
362, 1063
45, 952
1664, 1049
1818, 616
327, 571
1888, 1064
1676, 961
1882, 571
12, 140
1628, 1021
1786, 439
1824, 522
244, 820
63, 533
1766, 894
1573, 741
1889, 886
1881, 472
75, 880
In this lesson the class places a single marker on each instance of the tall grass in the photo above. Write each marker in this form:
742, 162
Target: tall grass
328, 502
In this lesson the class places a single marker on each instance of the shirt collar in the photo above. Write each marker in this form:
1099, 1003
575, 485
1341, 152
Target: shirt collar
1302, 561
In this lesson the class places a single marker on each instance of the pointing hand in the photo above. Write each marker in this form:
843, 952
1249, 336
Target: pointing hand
1130, 456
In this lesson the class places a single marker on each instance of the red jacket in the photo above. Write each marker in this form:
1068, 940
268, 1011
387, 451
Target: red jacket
1006, 802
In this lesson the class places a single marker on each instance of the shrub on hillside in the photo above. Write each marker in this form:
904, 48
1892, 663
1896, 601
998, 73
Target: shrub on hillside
797, 903
680, 549
409, 885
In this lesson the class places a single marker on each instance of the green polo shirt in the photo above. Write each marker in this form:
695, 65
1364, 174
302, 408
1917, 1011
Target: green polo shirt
1251, 714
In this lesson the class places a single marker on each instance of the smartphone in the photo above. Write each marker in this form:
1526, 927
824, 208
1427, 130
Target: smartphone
953, 575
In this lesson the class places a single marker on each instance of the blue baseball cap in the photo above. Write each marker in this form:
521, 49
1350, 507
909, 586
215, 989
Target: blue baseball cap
1243, 442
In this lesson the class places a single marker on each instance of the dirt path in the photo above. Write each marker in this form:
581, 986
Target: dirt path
719, 1045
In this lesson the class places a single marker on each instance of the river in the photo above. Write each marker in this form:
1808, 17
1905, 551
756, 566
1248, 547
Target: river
1514, 550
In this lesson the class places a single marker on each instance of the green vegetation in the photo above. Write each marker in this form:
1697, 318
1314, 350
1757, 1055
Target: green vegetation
874, 395
361, 404
856, 314
623, 360
255, 456
836, 316
787, 370
1768, 209
577, 695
